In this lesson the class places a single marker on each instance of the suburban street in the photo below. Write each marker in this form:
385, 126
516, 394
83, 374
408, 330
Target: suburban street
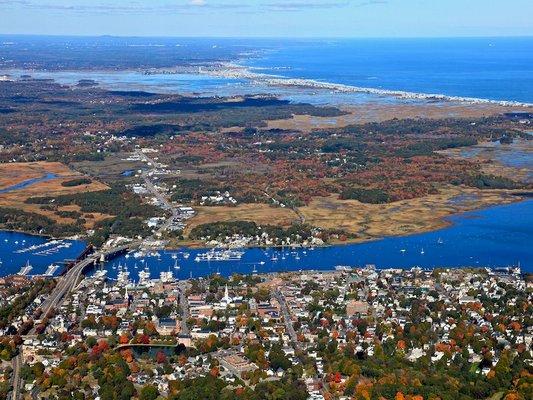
163, 200
184, 307
289, 327
17, 363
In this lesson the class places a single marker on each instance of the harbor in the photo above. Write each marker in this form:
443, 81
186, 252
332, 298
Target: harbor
493, 237
25, 270
42, 253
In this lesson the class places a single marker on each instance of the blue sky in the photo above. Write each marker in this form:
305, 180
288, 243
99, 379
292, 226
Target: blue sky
271, 18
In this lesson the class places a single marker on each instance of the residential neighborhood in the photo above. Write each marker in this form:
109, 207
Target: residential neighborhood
327, 330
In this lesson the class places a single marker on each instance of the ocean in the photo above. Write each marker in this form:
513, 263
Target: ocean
485, 68
499, 69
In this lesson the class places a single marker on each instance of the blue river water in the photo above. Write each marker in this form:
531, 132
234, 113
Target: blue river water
495, 237
29, 182
15, 252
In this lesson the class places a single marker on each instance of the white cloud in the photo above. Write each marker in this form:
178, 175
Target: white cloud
198, 2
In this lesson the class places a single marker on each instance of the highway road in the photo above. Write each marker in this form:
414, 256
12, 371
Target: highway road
67, 282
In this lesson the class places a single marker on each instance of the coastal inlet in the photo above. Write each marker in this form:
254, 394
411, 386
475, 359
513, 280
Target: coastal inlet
494, 237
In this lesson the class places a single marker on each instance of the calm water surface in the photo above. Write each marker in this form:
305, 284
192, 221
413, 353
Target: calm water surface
29, 182
487, 68
15, 252
496, 236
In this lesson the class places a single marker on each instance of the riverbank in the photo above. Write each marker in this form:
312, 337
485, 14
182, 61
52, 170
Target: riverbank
496, 236
362, 222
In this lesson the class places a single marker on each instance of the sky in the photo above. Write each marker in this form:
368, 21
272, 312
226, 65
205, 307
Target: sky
269, 18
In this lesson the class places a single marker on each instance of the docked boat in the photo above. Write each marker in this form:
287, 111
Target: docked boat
219, 255
144, 276
343, 268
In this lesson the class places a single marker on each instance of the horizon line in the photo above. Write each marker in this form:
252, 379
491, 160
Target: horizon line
265, 37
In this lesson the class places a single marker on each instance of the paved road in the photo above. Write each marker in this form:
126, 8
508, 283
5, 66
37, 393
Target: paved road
67, 282
184, 307
167, 204
289, 327
17, 364
64, 285
298, 213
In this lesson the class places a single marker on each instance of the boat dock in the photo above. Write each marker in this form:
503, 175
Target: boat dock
25, 270
51, 270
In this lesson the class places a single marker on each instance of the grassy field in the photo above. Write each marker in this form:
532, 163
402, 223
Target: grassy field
111, 168
370, 221
259, 213
366, 221
378, 112
14, 173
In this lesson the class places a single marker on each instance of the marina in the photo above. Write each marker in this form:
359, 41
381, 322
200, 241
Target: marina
493, 237
16, 249
45, 249
38, 247
490, 237
219, 255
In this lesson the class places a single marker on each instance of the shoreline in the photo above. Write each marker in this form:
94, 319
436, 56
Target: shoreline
233, 70
445, 222
367, 251
236, 71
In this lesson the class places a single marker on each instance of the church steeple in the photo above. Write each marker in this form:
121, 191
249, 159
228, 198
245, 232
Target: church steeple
226, 297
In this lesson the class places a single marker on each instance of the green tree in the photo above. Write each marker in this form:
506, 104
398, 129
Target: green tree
149, 392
